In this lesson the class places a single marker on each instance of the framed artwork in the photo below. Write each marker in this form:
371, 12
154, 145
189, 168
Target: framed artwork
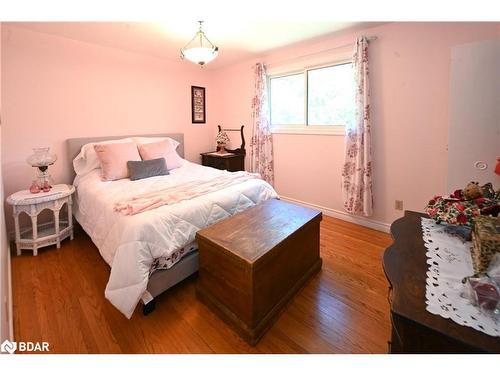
198, 105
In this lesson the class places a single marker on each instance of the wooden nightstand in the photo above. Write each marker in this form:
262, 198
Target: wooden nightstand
32, 204
231, 162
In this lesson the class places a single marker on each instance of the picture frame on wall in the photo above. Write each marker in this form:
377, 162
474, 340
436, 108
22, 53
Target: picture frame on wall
198, 105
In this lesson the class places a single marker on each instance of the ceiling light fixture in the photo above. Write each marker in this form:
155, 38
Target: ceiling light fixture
199, 49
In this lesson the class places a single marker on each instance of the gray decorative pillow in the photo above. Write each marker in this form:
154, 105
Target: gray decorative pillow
147, 168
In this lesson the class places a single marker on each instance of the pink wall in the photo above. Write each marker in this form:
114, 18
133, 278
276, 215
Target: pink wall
410, 68
55, 88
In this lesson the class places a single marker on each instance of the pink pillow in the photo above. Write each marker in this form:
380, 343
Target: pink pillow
113, 158
163, 149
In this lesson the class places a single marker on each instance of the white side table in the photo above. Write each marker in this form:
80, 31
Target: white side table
32, 204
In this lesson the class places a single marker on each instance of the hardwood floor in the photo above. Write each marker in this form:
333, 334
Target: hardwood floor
59, 298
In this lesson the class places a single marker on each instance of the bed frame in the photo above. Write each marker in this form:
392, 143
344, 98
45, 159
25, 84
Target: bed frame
160, 280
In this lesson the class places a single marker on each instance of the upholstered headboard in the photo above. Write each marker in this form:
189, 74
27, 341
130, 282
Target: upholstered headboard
74, 145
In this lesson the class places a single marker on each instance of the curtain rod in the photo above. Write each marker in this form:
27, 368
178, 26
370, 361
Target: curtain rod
371, 38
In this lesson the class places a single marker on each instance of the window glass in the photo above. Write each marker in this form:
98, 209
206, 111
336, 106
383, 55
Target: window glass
330, 95
287, 100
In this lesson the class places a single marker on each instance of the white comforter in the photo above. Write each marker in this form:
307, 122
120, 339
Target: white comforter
129, 244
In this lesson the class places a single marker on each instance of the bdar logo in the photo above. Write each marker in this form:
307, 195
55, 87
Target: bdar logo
24, 346
8, 347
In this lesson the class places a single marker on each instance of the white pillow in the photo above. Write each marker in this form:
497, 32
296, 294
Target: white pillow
87, 160
146, 140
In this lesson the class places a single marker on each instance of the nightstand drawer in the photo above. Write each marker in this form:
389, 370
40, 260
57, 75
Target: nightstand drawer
232, 162
218, 163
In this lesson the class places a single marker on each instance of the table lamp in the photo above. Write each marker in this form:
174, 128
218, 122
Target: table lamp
221, 140
41, 159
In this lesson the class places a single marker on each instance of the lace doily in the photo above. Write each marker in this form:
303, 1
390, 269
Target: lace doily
449, 262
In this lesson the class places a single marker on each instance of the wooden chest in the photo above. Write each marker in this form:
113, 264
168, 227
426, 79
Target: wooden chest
253, 263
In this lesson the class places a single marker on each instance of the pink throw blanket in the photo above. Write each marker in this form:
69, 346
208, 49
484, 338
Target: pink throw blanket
176, 194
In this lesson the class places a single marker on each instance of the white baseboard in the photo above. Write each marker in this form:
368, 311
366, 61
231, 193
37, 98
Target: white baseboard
369, 223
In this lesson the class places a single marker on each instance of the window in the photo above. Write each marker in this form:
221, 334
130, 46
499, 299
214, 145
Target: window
287, 100
316, 100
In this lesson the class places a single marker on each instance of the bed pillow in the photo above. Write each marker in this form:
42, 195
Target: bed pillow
144, 140
164, 149
147, 168
87, 160
113, 158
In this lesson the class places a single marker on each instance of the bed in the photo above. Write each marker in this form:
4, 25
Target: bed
151, 251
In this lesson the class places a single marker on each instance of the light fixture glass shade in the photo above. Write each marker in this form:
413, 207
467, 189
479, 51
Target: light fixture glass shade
200, 55
199, 50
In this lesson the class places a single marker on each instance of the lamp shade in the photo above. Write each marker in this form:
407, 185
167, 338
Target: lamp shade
41, 157
222, 138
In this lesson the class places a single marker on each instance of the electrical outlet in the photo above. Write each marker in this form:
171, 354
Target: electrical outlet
398, 205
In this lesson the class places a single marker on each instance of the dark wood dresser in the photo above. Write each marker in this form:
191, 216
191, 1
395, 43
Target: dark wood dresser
231, 162
414, 329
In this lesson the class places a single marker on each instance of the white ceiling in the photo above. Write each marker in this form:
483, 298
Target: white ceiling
237, 39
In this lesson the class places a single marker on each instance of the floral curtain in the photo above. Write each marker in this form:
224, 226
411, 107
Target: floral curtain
261, 145
357, 170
